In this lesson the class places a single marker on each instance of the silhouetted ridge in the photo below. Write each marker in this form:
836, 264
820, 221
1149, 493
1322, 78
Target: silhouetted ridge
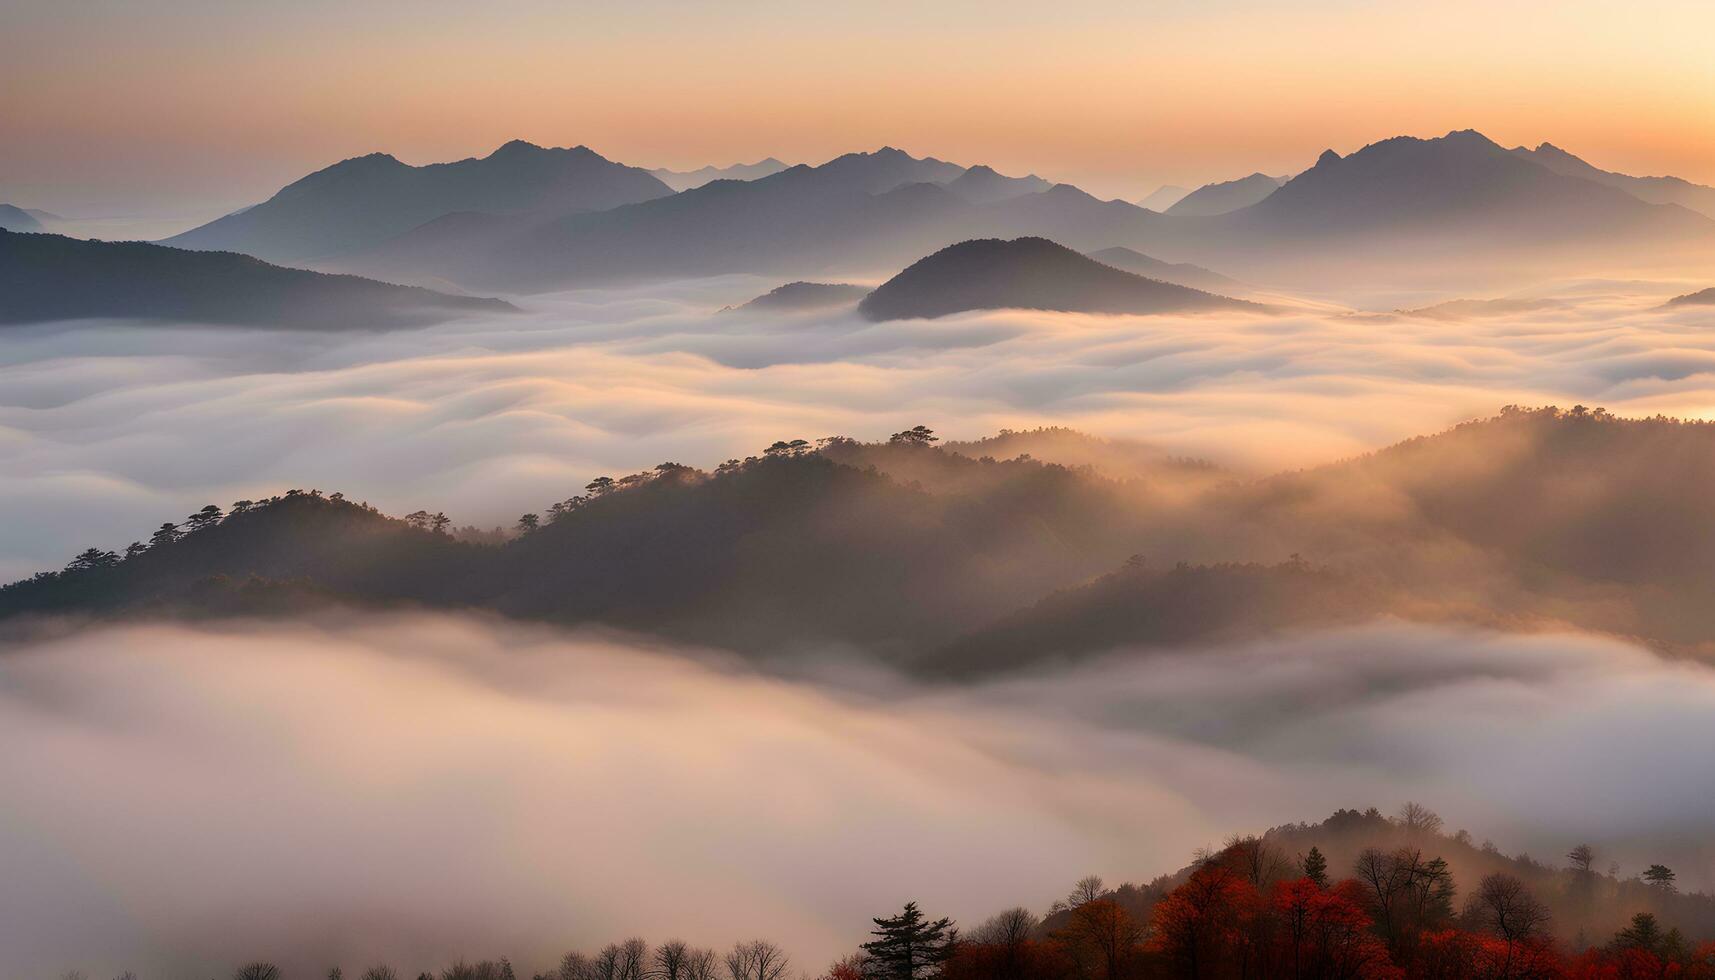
51, 277
1703, 297
17, 219
1212, 199
1027, 273
359, 203
802, 297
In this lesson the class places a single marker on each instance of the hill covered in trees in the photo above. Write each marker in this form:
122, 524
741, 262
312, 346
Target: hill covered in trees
952, 560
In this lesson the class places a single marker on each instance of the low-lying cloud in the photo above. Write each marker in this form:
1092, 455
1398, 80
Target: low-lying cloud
108, 429
416, 789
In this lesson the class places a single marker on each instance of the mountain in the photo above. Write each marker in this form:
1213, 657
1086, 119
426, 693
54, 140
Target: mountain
1164, 197
1451, 209
858, 211
1460, 182
804, 297
955, 562
364, 201
50, 277
1180, 273
982, 185
684, 180
1222, 198
1704, 297
1656, 190
1026, 273
17, 219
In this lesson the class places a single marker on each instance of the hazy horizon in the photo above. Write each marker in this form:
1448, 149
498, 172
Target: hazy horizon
985, 83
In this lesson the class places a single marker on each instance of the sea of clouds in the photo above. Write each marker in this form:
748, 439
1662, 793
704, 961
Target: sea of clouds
108, 429
414, 789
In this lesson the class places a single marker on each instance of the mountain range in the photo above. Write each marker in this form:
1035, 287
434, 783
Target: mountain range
1212, 199
684, 180
47, 277
1164, 197
13, 218
1656, 190
1406, 205
364, 201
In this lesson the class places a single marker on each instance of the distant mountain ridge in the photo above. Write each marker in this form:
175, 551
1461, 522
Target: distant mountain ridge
1222, 198
13, 218
50, 277
1655, 190
364, 201
1164, 197
1180, 273
1414, 206
684, 180
1027, 273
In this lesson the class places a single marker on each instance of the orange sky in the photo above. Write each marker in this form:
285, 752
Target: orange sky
187, 104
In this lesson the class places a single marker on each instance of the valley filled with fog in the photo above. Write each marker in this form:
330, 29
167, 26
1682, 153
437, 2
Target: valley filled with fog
286, 781
106, 429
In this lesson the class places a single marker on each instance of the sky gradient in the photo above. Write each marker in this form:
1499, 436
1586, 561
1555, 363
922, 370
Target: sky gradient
196, 106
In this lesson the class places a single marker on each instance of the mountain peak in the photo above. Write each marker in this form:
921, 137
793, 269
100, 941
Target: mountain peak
1327, 157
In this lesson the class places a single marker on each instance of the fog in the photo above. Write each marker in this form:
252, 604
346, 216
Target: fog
418, 789
108, 429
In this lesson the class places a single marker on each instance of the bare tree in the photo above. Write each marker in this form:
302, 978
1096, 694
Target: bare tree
702, 964
576, 966
1009, 928
258, 970
1581, 859
1256, 860
380, 971
669, 960
1506, 907
1415, 818
758, 959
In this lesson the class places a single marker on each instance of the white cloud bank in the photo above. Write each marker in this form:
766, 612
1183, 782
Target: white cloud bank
107, 430
417, 789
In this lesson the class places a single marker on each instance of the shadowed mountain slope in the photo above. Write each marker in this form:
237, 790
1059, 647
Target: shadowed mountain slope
684, 180
1180, 273
805, 297
17, 219
1026, 273
1703, 297
1656, 190
361, 202
1212, 199
51, 277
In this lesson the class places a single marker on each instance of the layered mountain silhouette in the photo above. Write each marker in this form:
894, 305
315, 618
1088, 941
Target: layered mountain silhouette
1026, 273
1703, 297
982, 185
684, 180
361, 202
1462, 185
1164, 197
1656, 190
805, 297
50, 277
13, 218
1413, 207
1211, 199
1181, 273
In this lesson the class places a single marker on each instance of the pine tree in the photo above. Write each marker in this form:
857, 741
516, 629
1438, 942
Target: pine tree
907, 947
1316, 867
